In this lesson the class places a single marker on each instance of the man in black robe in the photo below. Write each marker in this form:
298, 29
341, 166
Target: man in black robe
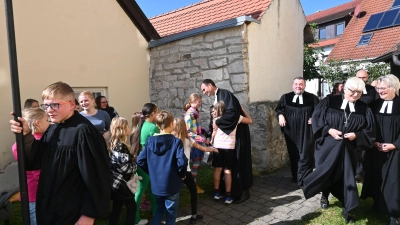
294, 111
75, 180
369, 94
242, 175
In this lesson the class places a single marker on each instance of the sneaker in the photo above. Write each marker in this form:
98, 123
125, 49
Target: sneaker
393, 221
142, 222
324, 202
199, 190
217, 196
228, 200
195, 219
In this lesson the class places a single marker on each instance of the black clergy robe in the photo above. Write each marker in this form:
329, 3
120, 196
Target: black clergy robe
335, 160
368, 97
75, 177
242, 174
298, 133
382, 176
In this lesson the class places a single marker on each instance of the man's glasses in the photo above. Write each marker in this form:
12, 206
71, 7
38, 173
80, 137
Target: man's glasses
53, 106
380, 88
353, 92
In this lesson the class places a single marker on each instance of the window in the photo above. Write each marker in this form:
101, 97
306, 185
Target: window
322, 33
339, 29
96, 91
373, 22
365, 39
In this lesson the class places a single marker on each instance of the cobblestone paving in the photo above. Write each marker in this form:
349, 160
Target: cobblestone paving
273, 200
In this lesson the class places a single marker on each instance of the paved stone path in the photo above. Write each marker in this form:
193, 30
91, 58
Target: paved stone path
273, 200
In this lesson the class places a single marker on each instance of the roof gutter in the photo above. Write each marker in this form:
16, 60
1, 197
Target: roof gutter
394, 55
201, 30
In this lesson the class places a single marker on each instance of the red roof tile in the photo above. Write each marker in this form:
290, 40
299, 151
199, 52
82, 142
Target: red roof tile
383, 41
205, 13
325, 43
339, 11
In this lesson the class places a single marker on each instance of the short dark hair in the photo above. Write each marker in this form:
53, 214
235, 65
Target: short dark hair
28, 103
208, 81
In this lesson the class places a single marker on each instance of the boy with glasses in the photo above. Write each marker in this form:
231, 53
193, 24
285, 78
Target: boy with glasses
74, 186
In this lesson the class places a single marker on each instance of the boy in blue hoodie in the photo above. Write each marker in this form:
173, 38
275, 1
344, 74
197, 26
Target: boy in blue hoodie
164, 160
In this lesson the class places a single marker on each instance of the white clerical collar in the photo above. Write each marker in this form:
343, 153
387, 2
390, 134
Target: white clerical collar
215, 99
300, 99
351, 105
365, 90
389, 105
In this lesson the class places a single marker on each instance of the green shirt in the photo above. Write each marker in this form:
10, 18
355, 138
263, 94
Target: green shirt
148, 129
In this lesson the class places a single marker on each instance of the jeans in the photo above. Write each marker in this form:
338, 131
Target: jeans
32, 212
130, 206
168, 204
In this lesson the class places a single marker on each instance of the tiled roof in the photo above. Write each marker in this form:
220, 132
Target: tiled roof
382, 41
325, 43
330, 14
205, 13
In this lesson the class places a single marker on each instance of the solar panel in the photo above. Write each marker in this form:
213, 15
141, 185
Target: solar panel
388, 18
373, 22
397, 21
396, 3
365, 39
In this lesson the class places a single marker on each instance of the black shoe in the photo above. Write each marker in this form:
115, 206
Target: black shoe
245, 195
324, 202
195, 219
348, 217
393, 221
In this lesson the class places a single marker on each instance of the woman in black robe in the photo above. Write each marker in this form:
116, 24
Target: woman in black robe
382, 177
341, 126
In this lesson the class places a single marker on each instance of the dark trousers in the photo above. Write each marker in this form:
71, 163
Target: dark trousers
130, 206
191, 185
294, 156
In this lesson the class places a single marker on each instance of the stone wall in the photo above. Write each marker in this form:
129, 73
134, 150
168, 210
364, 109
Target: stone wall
178, 68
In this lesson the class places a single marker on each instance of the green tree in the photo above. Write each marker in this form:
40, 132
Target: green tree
310, 57
376, 70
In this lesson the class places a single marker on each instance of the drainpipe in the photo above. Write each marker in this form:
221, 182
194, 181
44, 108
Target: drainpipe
395, 56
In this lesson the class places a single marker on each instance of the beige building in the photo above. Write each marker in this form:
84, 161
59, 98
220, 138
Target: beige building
99, 46
252, 48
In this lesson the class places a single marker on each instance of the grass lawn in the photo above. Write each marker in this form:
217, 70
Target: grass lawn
333, 215
204, 180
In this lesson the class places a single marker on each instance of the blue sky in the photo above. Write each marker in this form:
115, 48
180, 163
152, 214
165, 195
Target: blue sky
156, 7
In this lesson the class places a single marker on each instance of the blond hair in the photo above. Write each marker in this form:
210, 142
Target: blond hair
118, 133
31, 115
192, 98
58, 90
219, 109
391, 81
180, 130
164, 119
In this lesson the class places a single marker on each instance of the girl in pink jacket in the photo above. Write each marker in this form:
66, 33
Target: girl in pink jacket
37, 120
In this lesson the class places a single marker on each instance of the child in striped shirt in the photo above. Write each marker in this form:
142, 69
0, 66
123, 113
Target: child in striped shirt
226, 156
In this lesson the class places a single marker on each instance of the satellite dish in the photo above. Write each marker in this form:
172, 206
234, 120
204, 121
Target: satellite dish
357, 10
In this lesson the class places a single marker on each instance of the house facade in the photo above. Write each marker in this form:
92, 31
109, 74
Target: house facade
331, 24
251, 48
99, 46
372, 35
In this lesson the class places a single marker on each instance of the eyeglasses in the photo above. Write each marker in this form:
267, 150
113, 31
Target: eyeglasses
353, 92
53, 106
381, 88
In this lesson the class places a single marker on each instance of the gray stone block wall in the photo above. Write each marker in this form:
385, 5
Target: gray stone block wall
178, 68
